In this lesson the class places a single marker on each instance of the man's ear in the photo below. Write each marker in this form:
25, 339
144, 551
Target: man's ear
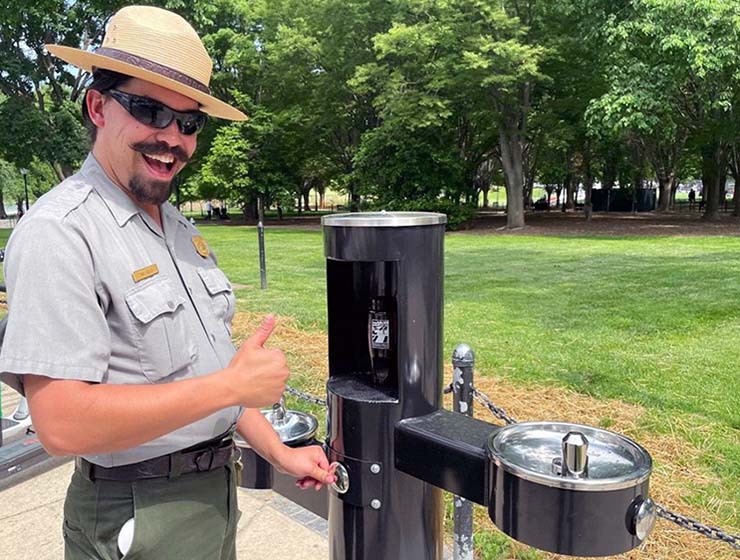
95, 101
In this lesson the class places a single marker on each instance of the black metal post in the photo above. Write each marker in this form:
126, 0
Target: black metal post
25, 182
463, 362
261, 241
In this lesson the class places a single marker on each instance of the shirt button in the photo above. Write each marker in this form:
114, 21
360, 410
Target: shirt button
171, 304
213, 337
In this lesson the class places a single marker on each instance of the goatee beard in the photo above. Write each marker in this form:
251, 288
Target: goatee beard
150, 192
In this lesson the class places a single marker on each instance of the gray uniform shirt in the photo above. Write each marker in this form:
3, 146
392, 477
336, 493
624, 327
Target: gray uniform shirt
98, 292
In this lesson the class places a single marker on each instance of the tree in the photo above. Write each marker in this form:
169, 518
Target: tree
38, 115
453, 73
676, 69
11, 185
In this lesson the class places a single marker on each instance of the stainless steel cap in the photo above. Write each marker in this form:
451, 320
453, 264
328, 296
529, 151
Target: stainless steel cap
527, 450
296, 427
384, 219
291, 425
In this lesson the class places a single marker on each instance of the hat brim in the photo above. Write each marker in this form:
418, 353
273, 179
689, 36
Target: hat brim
87, 60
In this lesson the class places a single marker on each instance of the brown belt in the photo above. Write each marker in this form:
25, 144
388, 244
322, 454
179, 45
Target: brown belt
203, 457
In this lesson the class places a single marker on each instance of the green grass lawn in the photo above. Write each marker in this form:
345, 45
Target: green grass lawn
653, 321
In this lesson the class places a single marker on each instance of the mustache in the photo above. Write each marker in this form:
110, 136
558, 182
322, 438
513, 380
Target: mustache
160, 148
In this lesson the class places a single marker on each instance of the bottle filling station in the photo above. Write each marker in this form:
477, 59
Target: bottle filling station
560, 487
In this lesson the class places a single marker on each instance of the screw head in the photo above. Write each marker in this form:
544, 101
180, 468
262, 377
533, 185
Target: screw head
375, 504
375, 468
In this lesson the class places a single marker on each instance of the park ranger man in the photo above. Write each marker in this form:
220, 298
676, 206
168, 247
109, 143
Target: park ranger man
119, 326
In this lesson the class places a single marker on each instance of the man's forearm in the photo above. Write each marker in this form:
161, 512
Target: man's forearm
78, 418
260, 435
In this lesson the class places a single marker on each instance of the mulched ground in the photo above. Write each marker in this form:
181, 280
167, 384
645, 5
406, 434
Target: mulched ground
609, 224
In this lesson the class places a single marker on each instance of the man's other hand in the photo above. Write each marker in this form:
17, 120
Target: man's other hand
308, 464
257, 375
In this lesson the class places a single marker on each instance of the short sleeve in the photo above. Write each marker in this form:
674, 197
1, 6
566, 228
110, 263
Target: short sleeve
55, 325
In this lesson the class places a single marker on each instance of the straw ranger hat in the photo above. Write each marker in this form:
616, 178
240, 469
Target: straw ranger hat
157, 46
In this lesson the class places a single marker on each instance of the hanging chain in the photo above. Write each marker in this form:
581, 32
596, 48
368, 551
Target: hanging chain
305, 396
497, 411
708, 531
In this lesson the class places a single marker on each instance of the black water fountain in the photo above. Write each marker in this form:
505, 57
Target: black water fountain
560, 487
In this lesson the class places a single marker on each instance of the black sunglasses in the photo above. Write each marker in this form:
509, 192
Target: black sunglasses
153, 113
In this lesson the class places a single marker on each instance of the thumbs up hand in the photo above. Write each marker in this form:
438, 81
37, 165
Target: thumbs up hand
257, 375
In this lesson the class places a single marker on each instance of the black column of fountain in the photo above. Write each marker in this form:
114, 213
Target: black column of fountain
384, 292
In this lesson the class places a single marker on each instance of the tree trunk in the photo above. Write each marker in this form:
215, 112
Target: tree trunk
712, 163
59, 172
485, 196
588, 186
665, 185
511, 160
610, 174
733, 165
307, 201
735, 196
3, 213
569, 191
528, 191
250, 211
674, 188
354, 198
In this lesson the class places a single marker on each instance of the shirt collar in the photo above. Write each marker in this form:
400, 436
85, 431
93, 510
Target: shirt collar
117, 201
172, 214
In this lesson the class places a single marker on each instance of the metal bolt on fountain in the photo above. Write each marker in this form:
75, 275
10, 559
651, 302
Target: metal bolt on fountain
560, 487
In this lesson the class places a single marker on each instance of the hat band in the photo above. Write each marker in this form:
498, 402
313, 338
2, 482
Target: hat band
160, 69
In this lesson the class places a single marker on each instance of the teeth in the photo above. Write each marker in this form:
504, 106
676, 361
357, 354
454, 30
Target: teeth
165, 158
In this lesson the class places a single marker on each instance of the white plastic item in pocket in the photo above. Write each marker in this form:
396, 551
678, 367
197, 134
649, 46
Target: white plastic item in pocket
126, 536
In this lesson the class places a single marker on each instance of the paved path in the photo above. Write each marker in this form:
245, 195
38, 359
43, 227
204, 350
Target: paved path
270, 527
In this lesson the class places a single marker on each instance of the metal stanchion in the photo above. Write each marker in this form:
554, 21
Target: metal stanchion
261, 241
463, 362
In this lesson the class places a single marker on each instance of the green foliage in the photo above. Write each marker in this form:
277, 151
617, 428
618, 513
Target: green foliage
11, 184
458, 215
411, 99
445, 74
674, 71
55, 136
38, 115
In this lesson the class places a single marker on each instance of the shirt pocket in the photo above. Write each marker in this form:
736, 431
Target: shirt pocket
160, 328
223, 302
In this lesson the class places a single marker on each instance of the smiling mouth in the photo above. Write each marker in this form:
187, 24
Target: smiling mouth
161, 164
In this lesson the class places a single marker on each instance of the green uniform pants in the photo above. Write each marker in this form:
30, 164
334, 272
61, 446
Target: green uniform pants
191, 517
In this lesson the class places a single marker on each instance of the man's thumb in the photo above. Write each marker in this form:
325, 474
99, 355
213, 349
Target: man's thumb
260, 336
325, 477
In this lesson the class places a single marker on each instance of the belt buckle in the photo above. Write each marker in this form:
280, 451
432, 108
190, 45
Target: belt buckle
211, 454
